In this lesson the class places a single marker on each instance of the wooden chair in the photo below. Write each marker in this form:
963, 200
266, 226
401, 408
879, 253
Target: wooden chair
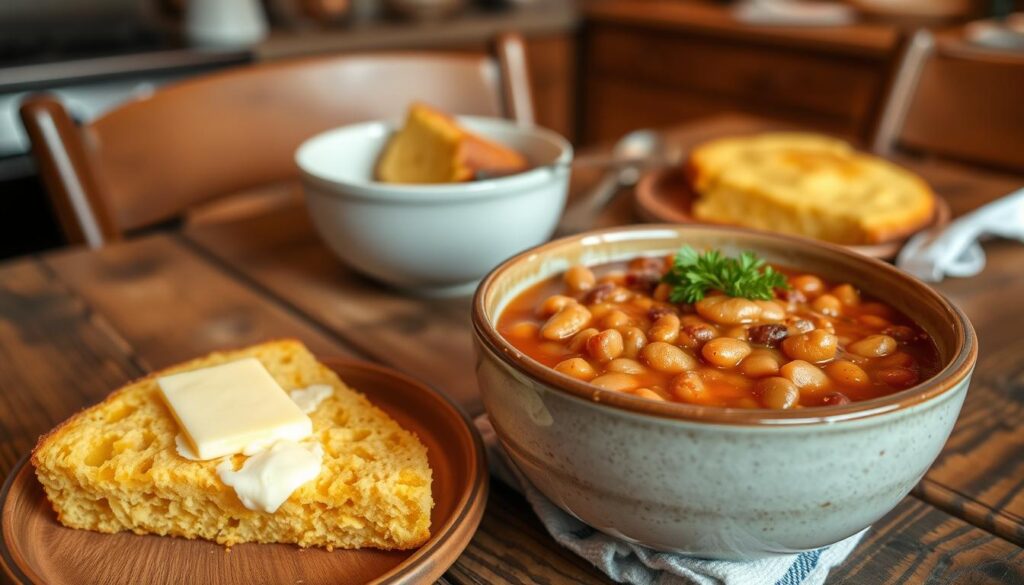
957, 102
151, 160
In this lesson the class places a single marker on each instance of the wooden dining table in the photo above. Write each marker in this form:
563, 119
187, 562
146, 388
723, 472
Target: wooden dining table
76, 323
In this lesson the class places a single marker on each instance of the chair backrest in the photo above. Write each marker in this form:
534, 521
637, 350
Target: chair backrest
149, 160
956, 102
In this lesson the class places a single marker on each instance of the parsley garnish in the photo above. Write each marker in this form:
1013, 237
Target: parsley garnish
692, 275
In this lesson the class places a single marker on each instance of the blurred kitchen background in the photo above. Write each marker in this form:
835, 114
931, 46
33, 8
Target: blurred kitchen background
599, 68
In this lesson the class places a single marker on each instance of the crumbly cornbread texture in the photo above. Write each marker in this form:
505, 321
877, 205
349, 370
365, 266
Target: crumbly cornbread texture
432, 148
809, 185
114, 467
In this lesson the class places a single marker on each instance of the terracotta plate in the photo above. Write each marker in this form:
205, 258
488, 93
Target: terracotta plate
36, 549
664, 195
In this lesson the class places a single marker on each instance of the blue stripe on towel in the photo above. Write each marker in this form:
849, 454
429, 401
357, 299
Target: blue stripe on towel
802, 566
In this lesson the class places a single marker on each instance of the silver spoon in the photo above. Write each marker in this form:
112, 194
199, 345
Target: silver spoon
631, 154
605, 161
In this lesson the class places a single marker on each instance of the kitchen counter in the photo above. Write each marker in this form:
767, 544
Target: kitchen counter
34, 76
471, 28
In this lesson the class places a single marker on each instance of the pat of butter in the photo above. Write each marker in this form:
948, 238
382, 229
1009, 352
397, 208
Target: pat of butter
309, 398
184, 449
267, 479
224, 409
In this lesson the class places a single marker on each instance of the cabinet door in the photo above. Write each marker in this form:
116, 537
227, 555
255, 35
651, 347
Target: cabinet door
552, 62
667, 76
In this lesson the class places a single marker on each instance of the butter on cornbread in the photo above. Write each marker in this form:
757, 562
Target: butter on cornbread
115, 467
807, 184
433, 148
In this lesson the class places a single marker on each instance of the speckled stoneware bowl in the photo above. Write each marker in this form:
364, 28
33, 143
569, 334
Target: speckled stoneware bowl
715, 482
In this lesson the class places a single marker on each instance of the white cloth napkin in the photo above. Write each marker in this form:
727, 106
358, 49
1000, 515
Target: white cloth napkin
956, 250
638, 565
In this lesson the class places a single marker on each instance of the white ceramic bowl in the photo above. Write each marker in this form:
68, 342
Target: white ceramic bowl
435, 240
716, 482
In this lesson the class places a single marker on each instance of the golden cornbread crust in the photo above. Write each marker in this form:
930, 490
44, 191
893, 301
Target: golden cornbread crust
432, 148
113, 467
807, 184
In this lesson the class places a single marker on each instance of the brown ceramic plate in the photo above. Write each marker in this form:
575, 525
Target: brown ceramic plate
37, 549
664, 195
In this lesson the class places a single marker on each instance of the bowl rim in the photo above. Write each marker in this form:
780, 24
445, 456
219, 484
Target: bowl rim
946, 379
442, 192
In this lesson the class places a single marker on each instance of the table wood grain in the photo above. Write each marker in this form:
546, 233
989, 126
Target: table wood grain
77, 323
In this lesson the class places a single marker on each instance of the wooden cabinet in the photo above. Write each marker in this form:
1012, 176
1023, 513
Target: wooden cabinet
657, 63
552, 61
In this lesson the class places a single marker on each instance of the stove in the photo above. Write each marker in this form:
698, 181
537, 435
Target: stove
94, 55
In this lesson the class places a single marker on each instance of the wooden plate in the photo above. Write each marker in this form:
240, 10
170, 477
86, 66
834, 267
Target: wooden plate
664, 195
37, 549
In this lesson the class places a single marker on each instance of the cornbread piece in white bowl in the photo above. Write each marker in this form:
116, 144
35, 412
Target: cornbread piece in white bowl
432, 147
116, 466
432, 239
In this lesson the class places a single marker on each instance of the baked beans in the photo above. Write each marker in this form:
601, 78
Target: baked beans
817, 343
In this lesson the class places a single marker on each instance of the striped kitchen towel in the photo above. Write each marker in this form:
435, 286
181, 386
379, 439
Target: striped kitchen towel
638, 565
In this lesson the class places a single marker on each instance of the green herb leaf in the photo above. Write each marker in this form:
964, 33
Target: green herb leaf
694, 274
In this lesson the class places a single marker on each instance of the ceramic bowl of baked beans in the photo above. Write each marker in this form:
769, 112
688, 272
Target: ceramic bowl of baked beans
718, 392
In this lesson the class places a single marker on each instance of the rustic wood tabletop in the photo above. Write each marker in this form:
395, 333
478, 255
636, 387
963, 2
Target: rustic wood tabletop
76, 323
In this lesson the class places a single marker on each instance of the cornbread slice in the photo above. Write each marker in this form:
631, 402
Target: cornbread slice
809, 185
114, 467
433, 148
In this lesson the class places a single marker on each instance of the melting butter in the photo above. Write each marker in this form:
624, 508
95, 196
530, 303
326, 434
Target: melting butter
309, 398
259, 445
224, 408
275, 467
184, 449
268, 478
